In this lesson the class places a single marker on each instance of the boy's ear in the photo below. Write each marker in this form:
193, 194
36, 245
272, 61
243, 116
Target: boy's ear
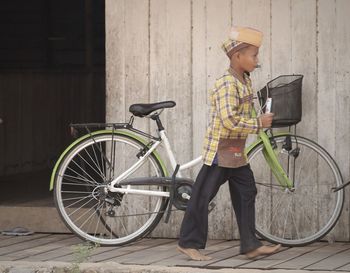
238, 54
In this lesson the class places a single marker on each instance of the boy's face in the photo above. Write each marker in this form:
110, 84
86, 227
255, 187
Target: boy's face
248, 58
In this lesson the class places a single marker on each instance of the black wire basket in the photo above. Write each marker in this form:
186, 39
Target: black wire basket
285, 92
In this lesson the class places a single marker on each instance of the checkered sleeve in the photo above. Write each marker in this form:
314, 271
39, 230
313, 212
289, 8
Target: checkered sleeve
227, 103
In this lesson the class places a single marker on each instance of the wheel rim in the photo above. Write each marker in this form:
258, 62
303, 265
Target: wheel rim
310, 211
94, 213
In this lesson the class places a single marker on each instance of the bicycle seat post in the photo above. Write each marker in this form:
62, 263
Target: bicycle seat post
159, 123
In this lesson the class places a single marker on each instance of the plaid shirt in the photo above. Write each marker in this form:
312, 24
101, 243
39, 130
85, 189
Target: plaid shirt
230, 113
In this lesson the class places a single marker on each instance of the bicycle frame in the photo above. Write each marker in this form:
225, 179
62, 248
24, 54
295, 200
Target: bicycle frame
268, 152
163, 139
269, 155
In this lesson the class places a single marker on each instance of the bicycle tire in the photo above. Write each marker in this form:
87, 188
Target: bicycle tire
307, 214
80, 195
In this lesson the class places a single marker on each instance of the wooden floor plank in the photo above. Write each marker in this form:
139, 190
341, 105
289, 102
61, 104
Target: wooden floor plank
113, 253
306, 259
345, 268
11, 240
151, 255
284, 255
60, 247
62, 250
217, 256
334, 261
60, 241
237, 261
212, 247
20, 246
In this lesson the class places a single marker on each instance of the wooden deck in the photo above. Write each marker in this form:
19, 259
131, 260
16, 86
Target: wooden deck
60, 247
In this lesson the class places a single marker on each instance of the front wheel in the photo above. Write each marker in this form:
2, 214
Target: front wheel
82, 198
306, 213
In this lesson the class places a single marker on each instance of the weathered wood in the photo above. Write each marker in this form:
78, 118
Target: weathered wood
171, 23
115, 253
54, 247
224, 253
260, 21
200, 104
306, 261
183, 41
345, 268
8, 241
212, 246
342, 106
53, 250
337, 259
52, 242
29, 244
115, 61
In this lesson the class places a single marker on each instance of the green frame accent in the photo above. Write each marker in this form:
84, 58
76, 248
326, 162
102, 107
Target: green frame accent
121, 132
271, 159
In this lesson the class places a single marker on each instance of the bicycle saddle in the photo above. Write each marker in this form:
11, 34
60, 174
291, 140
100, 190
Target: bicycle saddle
144, 109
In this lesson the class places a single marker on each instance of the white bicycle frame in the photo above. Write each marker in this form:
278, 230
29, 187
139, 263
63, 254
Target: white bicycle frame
134, 167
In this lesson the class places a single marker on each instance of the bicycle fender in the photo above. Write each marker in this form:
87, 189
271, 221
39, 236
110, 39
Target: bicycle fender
121, 132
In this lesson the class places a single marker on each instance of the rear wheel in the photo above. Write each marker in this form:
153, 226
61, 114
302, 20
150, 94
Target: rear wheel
88, 208
309, 211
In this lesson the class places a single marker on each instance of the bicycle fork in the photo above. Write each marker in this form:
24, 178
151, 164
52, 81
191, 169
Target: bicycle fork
274, 164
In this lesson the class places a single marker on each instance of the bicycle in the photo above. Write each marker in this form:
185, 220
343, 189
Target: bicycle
112, 187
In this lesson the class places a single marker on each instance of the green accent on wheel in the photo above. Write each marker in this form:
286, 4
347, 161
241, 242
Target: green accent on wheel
126, 133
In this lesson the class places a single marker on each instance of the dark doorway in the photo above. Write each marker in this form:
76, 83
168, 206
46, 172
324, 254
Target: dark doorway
52, 73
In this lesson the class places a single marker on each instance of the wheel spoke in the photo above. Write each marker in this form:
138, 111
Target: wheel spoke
307, 212
104, 217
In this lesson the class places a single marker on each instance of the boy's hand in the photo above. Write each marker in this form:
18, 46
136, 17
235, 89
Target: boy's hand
266, 120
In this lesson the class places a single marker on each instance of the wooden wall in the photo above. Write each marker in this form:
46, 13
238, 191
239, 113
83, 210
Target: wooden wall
170, 50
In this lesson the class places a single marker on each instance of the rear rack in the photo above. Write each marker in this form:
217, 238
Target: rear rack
77, 128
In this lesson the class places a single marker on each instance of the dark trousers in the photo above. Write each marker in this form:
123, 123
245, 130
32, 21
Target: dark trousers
194, 228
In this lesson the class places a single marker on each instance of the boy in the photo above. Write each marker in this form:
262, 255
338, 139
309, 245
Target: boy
230, 122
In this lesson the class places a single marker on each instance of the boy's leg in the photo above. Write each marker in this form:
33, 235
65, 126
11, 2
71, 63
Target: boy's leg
194, 228
243, 192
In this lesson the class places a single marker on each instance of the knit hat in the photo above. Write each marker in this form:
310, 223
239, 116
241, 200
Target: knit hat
241, 37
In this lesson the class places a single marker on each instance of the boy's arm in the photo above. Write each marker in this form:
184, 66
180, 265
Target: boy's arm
227, 103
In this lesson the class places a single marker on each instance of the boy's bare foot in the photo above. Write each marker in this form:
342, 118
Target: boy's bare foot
194, 254
263, 250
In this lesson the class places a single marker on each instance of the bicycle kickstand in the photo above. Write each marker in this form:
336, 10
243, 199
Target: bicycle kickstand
335, 189
172, 193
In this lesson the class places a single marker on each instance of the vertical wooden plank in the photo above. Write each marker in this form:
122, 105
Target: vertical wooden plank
304, 61
170, 44
326, 41
115, 61
259, 18
281, 44
179, 77
158, 57
136, 56
199, 76
159, 46
342, 112
325, 50
218, 26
